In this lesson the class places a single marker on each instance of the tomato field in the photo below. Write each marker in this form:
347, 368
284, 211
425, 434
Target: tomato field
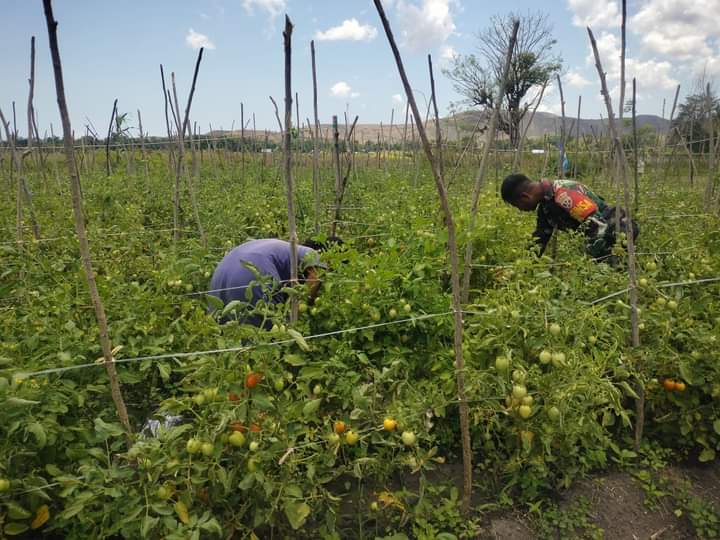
348, 422
280, 430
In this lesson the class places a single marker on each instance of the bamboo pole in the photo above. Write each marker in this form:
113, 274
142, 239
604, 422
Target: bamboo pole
577, 138
109, 361
454, 267
635, 148
108, 169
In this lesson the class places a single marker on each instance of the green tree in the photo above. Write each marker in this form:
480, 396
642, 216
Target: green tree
477, 77
696, 117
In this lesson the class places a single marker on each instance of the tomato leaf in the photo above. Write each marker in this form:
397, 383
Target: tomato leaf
299, 339
13, 529
39, 432
716, 426
706, 455
297, 513
311, 407
15, 511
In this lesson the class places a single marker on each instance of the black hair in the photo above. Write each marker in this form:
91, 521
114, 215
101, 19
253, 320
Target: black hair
512, 186
323, 245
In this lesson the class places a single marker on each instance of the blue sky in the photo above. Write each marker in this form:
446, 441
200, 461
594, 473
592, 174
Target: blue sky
113, 50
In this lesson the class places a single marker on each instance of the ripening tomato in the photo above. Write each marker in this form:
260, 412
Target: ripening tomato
252, 379
238, 426
339, 427
232, 396
389, 424
255, 428
351, 438
680, 386
668, 384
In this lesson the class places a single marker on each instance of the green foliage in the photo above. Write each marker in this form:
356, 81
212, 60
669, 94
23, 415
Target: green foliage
62, 446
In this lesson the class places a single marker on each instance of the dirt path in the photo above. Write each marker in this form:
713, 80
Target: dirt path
667, 505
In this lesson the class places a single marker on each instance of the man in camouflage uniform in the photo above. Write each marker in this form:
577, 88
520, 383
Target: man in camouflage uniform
567, 205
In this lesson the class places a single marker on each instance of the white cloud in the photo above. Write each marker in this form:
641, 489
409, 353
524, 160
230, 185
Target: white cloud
447, 53
427, 25
398, 98
651, 73
576, 80
350, 30
595, 13
342, 89
204, 16
196, 40
272, 7
683, 30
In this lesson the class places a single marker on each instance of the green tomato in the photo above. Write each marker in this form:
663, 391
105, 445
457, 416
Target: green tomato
317, 389
545, 357
502, 363
672, 305
553, 413
408, 438
519, 376
333, 438
302, 307
199, 399
555, 329
4, 485
251, 465
208, 449
519, 391
527, 400
407, 308
592, 340
558, 359
237, 439
164, 492
254, 445
279, 385
193, 446
525, 411
392, 313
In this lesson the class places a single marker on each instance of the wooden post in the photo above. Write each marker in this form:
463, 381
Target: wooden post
517, 160
577, 138
316, 142
438, 133
109, 361
480, 176
338, 179
628, 230
287, 41
454, 268
108, 169
635, 148
561, 170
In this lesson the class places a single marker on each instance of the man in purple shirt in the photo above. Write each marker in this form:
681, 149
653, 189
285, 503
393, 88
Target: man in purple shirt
264, 267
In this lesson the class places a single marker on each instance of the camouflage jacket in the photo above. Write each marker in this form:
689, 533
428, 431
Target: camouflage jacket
569, 205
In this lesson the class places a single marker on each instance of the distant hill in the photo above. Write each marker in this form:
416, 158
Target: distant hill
462, 125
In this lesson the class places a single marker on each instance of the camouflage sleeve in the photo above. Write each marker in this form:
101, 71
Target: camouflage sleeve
543, 232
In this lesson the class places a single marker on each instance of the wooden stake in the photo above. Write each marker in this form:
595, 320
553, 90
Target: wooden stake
287, 41
561, 170
109, 361
480, 176
454, 267
316, 165
640, 406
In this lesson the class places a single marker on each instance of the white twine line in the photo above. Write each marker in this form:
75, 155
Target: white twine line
243, 348
658, 286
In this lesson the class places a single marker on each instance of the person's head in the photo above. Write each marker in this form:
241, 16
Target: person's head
521, 192
323, 245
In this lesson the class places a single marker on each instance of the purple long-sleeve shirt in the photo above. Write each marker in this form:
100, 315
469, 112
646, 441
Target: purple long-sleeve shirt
271, 257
